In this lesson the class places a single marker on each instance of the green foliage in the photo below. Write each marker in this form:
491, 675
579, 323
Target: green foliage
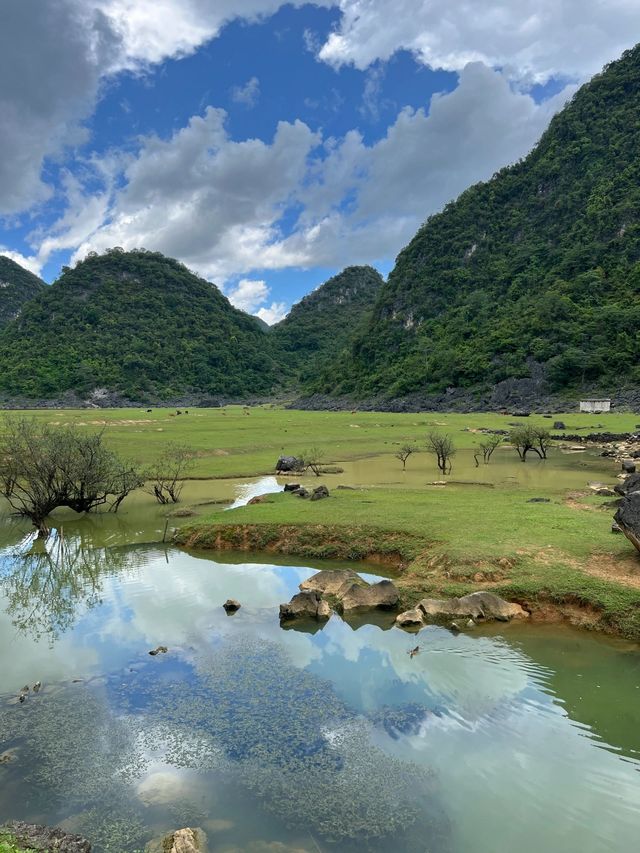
17, 286
137, 323
323, 323
538, 265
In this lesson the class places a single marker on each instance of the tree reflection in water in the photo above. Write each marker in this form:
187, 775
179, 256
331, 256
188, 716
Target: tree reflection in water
47, 582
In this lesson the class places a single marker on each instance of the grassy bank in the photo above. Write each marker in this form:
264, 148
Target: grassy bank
556, 557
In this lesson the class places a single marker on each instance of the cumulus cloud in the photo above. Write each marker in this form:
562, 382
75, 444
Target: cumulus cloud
248, 294
218, 204
248, 94
274, 313
532, 40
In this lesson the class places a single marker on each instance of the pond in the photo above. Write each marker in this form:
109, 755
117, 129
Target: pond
510, 737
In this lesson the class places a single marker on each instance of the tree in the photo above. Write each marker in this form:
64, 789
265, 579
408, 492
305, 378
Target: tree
166, 478
442, 445
312, 459
488, 446
405, 452
43, 468
526, 438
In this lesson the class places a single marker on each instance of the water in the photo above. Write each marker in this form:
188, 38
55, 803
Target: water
513, 737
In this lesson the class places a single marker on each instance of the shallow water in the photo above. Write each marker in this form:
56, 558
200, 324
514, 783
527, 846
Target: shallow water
513, 737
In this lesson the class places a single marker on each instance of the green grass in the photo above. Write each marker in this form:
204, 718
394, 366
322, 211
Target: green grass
230, 443
8, 844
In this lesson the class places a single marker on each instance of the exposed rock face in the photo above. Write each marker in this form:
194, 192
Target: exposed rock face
288, 463
181, 841
330, 582
381, 595
319, 493
45, 838
628, 517
481, 606
304, 604
628, 486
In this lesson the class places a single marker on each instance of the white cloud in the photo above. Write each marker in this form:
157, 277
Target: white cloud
274, 313
247, 294
248, 95
530, 39
217, 204
28, 262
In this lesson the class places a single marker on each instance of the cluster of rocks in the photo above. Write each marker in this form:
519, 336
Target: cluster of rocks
299, 491
476, 607
343, 591
43, 839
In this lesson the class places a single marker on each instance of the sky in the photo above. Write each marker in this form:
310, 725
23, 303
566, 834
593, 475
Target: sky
269, 145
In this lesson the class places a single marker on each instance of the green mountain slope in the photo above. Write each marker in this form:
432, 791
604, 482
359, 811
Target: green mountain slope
17, 286
139, 324
538, 266
324, 321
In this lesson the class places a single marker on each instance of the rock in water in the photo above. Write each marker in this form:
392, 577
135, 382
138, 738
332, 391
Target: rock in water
628, 517
382, 595
159, 650
328, 582
231, 605
181, 841
291, 487
478, 605
305, 604
410, 618
45, 838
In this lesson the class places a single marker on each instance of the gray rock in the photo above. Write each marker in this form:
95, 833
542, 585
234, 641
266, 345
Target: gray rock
478, 605
410, 618
628, 466
181, 841
231, 605
319, 493
45, 838
559, 425
329, 582
323, 611
288, 463
628, 486
381, 595
301, 492
291, 487
303, 605
628, 517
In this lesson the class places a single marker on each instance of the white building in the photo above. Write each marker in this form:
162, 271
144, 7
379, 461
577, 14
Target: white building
596, 407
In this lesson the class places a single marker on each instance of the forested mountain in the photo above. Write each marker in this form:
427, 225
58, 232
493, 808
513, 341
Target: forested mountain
538, 266
139, 324
325, 320
17, 286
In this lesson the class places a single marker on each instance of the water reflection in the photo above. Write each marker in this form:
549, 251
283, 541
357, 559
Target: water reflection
337, 739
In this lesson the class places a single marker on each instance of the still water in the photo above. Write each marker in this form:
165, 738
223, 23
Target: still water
513, 737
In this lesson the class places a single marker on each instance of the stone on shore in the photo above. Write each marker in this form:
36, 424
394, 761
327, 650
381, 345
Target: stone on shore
45, 838
328, 582
628, 518
483, 606
382, 595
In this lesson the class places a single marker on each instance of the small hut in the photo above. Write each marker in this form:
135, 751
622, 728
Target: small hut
595, 407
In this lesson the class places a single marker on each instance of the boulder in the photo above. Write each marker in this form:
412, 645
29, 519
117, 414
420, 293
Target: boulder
413, 618
288, 463
479, 605
301, 492
628, 466
381, 595
329, 582
45, 838
231, 605
629, 485
628, 517
305, 605
319, 493
291, 487
258, 499
559, 425
181, 841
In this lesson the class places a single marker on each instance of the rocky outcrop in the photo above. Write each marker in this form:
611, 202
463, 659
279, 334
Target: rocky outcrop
382, 596
330, 582
480, 606
629, 485
628, 517
181, 841
45, 838
305, 605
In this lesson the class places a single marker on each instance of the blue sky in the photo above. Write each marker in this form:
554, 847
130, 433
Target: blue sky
265, 145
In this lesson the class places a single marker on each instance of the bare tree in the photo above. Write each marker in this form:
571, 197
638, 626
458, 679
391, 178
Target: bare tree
312, 459
165, 479
442, 445
527, 438
488, 446
405, 452
43, 468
